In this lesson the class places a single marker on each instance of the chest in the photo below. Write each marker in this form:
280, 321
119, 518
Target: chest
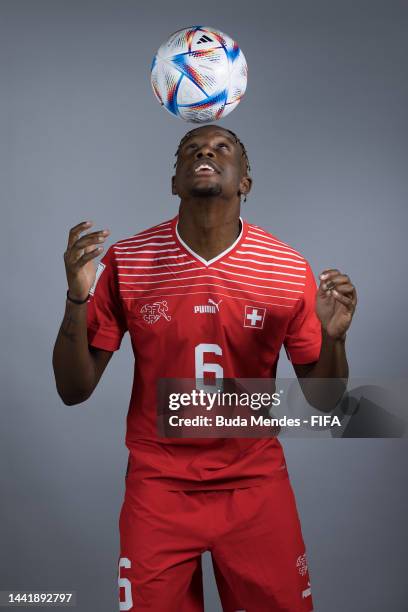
206, 313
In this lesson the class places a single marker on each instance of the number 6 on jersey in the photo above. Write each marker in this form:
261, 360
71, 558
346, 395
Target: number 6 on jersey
124, 583
203, 369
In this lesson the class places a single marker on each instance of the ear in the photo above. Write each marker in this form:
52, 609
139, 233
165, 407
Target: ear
173, 185
245, 185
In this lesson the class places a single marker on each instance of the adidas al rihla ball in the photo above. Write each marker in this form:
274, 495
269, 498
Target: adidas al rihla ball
199, 74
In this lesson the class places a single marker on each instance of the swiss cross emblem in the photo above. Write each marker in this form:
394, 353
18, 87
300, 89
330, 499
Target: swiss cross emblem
254, 317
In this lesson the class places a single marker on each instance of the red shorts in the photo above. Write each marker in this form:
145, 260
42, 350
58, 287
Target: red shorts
253, 534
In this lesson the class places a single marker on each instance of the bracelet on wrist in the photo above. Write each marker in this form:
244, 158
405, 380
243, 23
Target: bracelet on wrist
70, 299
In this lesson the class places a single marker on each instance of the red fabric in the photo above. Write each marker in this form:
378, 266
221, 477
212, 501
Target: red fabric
244, 305
106, 320
303, 336
255, 540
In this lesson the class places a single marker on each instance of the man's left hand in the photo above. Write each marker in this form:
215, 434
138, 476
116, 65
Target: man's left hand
336, 302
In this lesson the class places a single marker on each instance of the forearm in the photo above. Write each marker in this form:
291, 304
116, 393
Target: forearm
332, 362
73, 363
326, 381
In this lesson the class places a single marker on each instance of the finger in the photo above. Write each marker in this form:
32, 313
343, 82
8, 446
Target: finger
325, 274
83, 245
330, 285
344, 288
353, 296
334, 280
338, 278
346, 301
88, 249
76, 230
88, 240
88, 256
92, 235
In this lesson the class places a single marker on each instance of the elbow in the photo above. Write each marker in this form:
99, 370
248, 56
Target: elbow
325, 398
326, 405
323, 407
72, 393
68, 401
72, 399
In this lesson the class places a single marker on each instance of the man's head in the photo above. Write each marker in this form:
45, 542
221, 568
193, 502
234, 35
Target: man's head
228, 175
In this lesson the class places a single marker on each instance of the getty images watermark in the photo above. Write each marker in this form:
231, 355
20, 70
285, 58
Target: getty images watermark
257, 408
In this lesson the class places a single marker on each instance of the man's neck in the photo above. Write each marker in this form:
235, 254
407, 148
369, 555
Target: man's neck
208, 229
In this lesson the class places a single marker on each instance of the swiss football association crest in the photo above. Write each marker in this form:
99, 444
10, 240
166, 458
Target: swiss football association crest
254, 317
153, 312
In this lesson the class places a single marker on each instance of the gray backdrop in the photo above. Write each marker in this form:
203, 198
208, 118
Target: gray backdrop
324, 122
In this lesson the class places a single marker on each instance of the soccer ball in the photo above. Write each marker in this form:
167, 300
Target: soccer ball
199, 74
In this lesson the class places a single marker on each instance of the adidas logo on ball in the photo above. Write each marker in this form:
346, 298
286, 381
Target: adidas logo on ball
204, 39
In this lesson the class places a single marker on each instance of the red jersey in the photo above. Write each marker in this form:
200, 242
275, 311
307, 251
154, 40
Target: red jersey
183, 313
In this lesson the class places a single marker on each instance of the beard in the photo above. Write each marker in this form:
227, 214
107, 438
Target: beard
206, 191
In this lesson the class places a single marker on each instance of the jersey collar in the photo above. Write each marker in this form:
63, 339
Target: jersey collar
221, 255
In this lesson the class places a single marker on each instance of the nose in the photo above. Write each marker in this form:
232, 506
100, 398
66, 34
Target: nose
205, 150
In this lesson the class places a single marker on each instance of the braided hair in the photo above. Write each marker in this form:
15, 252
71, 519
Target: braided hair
237, 140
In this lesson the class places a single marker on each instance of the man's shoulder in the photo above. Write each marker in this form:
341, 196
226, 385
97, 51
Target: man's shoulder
161, 230
263, 239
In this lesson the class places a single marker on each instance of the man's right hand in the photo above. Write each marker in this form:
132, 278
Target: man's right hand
78, 257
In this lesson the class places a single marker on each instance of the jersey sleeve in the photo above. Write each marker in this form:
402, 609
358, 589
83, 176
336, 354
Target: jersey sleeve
106, 321
303, 335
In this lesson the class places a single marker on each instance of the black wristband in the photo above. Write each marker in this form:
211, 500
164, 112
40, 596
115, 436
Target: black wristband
70, 299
